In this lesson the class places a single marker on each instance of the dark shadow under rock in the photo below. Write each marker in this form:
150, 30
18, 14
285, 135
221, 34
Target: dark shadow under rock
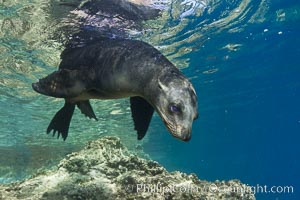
105, 169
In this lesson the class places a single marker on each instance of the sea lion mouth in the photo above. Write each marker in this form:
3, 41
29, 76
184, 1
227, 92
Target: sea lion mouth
171, 127
175, 129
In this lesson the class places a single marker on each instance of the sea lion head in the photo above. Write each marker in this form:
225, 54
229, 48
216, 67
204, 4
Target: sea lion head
177, 104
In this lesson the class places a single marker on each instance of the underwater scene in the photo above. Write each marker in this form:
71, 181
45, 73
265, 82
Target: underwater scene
240, 58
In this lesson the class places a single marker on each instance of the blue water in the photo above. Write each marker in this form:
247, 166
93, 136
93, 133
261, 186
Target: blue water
249, 109
243, 60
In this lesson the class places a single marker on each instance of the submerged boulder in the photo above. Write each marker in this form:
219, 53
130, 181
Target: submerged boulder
105, 169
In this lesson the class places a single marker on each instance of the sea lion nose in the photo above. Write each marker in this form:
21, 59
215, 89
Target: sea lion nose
187, 137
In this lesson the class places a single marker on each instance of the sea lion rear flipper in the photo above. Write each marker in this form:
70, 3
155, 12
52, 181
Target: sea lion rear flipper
86, 109
61, 121
142, 113
63, 83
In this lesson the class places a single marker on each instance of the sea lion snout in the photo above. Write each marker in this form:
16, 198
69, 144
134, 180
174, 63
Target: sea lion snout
187, 137
185, 134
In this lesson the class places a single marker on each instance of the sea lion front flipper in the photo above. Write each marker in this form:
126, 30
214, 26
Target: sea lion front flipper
141, 112
61, 121
86, 109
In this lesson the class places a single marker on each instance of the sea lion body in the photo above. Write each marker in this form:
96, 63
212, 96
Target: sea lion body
118, 68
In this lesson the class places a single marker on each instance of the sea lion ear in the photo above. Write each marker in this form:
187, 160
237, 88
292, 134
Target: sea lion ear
192, 88
162, 86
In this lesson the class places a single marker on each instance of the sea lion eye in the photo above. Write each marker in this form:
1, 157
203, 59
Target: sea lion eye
174, 108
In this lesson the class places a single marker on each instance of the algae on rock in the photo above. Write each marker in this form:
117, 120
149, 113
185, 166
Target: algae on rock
105, 169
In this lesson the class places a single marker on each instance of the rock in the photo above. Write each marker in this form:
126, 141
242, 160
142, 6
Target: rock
105, 169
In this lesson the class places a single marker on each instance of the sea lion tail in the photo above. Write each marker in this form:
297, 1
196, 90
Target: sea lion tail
61, 84
61, 121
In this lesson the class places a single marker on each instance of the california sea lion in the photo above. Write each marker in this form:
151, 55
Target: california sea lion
117, 68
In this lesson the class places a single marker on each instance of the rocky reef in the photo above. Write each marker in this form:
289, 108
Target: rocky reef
105, 169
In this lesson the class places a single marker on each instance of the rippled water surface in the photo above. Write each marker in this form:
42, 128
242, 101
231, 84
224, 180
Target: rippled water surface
242, 57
